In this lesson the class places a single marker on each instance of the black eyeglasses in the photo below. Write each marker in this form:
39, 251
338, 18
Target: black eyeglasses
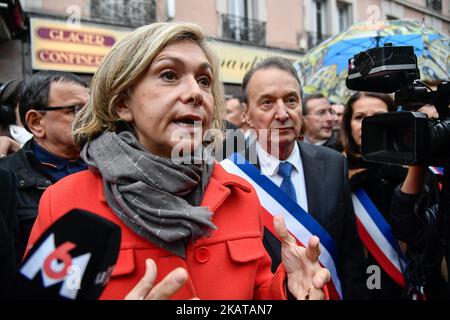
75, 108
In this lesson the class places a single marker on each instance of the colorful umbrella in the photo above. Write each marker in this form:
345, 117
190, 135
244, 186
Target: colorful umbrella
324, 68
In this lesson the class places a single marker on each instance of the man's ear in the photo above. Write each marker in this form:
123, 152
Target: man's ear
245, 107
244, 115
123, 110
35, 123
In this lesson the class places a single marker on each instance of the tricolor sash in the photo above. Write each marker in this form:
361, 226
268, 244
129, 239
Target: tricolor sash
437, 170
376, 234
300, 224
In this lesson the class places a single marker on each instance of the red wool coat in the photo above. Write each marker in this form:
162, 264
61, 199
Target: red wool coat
230, 264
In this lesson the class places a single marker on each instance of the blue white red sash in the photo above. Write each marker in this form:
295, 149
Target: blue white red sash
376, 234
437, 170
300, 224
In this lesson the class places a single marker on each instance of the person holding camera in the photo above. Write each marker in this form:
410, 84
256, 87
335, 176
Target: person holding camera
416, 221
418, 211
372, 186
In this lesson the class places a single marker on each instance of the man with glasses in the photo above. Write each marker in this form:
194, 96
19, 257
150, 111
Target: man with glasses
47, 107
319, 117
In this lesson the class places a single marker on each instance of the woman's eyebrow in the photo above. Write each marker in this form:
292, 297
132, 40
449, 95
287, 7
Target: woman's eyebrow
178, 61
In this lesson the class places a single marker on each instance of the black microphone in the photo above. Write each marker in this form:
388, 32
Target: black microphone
72, 260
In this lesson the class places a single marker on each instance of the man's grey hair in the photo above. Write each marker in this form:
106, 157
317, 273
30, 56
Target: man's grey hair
275, 62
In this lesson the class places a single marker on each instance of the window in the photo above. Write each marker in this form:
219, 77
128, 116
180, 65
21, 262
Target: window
129, 12
319, 18
319, 27
241, 23
344, 15
238, 14
435, 5
238, 8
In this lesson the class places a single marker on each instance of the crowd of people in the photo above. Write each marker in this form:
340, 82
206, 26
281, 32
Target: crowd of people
251, 197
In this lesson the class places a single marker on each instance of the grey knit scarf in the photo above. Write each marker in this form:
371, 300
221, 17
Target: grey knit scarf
155, 197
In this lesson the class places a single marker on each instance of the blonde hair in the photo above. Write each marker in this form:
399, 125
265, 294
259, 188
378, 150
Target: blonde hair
124, 66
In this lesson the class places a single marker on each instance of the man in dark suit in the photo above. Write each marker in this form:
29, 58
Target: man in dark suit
314, 176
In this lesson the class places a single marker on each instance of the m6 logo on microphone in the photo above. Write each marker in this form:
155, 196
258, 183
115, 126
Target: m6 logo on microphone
57, 266
72, 260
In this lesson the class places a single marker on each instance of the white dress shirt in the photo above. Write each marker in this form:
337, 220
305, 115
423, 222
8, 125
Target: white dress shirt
269, 167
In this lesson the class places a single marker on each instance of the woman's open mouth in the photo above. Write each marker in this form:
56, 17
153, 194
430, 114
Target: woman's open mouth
189, 122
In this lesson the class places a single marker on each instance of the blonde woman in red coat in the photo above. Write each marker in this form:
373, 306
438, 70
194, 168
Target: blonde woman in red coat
153, 99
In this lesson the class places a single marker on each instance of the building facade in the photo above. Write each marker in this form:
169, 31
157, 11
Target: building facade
329, 17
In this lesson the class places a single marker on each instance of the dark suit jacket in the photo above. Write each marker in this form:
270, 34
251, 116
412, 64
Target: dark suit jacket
329, 202
333, 143
31, 182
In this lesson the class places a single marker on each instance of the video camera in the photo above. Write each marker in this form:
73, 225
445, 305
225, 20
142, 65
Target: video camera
401, 137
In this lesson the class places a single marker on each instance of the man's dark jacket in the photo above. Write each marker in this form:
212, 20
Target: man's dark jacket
333, 143
31, 183
9, 260
329, 202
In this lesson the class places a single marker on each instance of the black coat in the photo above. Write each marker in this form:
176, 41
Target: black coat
31, 183
329, 202
9, 229
411, 225
333, 143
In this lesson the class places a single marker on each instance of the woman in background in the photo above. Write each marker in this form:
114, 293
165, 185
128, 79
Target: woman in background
376, 181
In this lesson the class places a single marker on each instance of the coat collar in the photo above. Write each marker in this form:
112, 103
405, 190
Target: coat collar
218, 188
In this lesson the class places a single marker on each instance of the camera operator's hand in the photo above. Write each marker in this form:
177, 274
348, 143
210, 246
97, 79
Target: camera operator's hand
430, 111
415, 180
8, 145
